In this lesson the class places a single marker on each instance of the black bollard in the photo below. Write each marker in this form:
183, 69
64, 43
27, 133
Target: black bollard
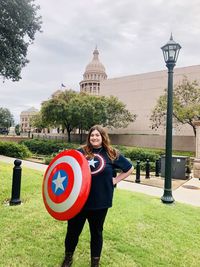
187, 172
137, 180
157, 171
16, 183
147, 169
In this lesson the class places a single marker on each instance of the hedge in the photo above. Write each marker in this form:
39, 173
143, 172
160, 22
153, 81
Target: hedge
47, 147
15, 150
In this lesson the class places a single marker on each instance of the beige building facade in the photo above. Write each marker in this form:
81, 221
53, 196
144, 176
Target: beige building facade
140, 93
25, 119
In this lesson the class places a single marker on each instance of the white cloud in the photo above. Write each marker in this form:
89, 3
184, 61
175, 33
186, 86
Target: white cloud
128, 34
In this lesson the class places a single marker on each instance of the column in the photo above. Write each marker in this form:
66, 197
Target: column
196, 163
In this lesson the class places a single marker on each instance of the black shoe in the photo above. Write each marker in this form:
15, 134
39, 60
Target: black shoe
68, 260
95, 261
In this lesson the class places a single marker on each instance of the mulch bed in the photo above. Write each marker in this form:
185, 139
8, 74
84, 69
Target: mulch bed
157, 181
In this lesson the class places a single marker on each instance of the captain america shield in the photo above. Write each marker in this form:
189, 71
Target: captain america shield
66, 184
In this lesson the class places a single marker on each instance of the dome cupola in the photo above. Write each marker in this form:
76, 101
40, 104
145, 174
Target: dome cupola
95, 66
93, 75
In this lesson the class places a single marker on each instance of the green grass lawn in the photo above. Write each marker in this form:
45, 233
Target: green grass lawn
139, 230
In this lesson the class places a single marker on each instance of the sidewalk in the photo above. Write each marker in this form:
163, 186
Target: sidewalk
188, 193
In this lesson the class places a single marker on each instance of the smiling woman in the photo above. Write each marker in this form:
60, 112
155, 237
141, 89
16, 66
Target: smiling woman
96, 139
103, 160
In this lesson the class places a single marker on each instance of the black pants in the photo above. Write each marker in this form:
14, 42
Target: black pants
96, 220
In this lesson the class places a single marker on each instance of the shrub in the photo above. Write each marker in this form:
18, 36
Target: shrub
47, 147
14, 150
143, 154
143, 166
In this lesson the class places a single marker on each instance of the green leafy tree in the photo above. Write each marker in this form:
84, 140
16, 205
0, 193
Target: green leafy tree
87, 110
186, 105
17, 129
117, 114
18, 24
37, 122
108, 111
56, 111
6, 118
80, 111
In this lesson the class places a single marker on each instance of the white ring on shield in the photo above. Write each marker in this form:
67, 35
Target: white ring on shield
68, 203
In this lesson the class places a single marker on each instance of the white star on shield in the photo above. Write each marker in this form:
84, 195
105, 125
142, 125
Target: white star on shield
92, 162
59, 182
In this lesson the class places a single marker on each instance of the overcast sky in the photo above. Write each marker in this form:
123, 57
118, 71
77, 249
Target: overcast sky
128, 34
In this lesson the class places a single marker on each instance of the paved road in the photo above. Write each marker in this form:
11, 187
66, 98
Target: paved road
188, 193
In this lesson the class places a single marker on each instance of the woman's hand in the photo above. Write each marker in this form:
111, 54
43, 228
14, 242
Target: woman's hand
114, 181
122, 176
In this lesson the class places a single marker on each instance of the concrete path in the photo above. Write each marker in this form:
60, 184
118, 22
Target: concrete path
188, 193
25, 163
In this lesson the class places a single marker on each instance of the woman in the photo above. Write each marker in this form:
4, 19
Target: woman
103, 160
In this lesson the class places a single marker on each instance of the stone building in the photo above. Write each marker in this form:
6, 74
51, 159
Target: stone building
25, 117
93, 76
140, 93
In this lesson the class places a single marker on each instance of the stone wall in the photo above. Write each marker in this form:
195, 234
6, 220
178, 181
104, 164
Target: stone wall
12, 138
182, 143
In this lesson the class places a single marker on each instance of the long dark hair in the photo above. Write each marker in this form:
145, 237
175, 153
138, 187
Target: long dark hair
112, 152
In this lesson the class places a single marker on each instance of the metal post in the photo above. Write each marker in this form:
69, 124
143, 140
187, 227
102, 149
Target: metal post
137, 180
147, 169
157, 169
16, 183
167, 196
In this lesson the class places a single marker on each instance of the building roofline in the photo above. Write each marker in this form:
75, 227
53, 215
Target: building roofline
177, 69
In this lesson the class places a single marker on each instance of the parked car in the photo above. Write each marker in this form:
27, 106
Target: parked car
3, 131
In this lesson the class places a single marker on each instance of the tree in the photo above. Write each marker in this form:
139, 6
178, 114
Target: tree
37, 122
17, 129
186, 105
117, 114
18, 24
75, 110
107, 111
87, 110
56, 111
6, 118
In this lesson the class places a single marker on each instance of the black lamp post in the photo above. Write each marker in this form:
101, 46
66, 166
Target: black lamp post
170, 52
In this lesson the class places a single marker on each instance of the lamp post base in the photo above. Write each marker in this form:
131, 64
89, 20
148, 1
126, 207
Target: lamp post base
167, 198
14, 202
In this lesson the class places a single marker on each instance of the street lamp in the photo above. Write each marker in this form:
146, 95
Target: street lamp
170, 53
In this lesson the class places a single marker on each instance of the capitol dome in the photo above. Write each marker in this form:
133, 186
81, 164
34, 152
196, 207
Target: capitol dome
95, 66
93, 75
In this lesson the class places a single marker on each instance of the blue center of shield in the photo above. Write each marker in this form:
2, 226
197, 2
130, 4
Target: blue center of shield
59, 182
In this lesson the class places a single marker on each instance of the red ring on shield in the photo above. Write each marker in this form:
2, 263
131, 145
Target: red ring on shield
66, 184
61, 197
